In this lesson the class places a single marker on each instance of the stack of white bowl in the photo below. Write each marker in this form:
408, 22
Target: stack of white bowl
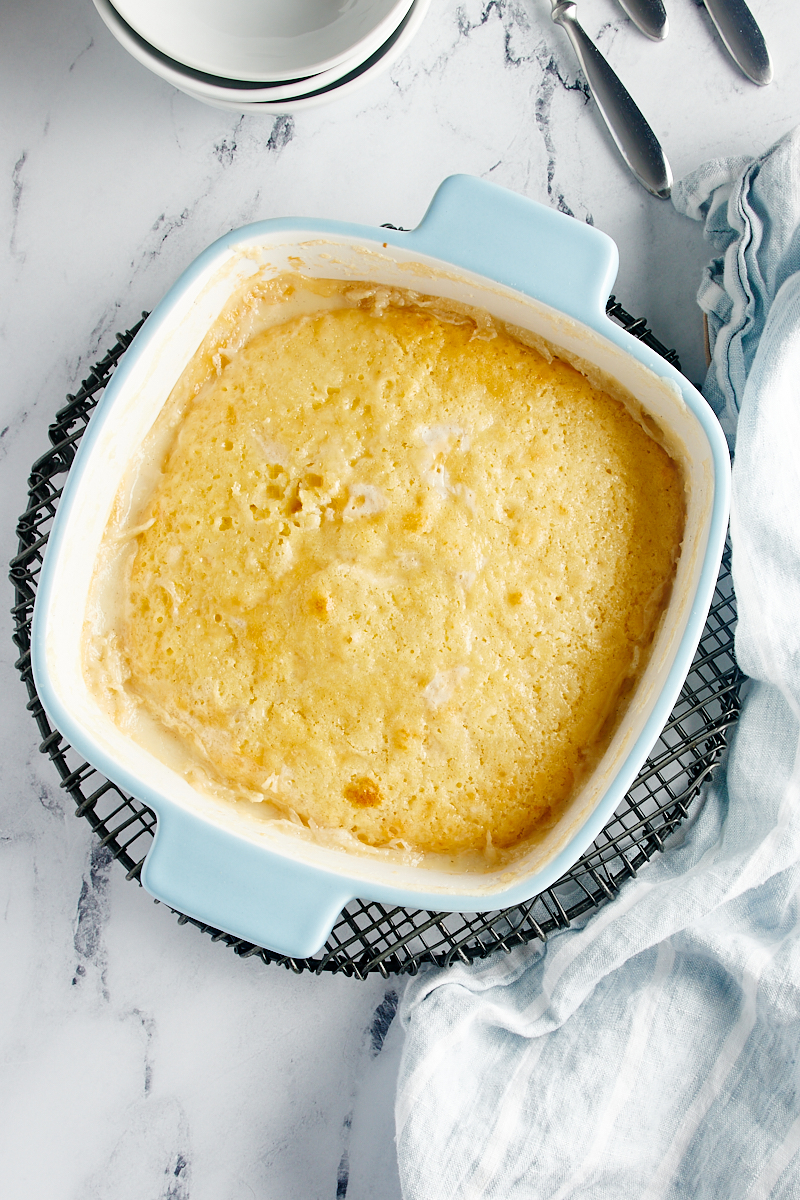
264, 55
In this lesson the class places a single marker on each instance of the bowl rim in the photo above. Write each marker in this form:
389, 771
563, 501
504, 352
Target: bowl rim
280, 97
212, 51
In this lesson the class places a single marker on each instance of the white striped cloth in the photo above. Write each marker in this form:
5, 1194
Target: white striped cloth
653, 1050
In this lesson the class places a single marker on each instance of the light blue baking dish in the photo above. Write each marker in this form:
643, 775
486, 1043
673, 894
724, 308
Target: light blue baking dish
485, 246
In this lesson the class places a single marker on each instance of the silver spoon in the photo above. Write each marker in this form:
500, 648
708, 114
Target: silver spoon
635, 140
742, 37
648, 15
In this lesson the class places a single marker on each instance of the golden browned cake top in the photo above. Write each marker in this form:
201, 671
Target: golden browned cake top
397, 574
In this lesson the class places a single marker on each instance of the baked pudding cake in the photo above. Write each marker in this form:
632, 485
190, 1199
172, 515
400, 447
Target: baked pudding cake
393, 574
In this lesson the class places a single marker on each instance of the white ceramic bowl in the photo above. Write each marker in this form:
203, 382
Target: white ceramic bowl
239, 96
486, 247
264, 39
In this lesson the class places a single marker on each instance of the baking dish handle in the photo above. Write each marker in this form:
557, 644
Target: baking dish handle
241, 887
499, 234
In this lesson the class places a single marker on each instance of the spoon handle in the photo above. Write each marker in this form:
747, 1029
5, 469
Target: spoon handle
744, 40
648, 15
635, 139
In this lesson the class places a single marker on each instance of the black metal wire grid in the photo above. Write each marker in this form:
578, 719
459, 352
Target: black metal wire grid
370, 937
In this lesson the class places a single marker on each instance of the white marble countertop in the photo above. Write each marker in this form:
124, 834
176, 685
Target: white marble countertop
140, 1059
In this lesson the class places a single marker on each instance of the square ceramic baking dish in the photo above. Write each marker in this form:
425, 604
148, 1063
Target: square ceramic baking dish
486, 247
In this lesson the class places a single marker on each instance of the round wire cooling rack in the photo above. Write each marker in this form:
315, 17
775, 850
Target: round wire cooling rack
371, 937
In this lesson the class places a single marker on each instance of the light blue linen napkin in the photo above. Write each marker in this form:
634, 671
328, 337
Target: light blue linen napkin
653, 1050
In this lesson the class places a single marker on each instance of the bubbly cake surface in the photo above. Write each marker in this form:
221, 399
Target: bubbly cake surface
397, 575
